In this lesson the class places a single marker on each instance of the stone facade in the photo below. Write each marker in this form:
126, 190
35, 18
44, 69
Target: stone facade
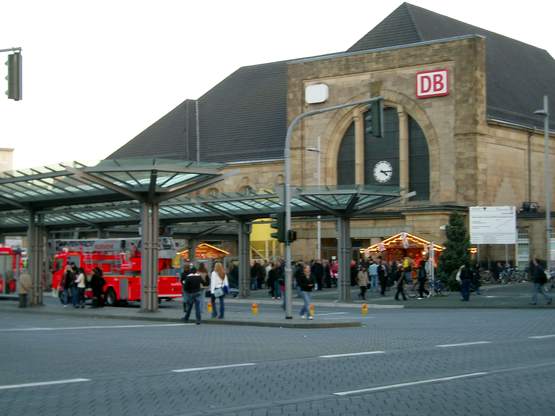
473, 161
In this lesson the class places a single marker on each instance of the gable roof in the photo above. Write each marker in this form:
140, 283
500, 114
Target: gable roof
241, 118
518, 75
244, 117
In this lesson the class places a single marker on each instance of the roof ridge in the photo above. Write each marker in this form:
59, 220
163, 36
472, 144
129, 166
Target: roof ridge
474, 27
408, 7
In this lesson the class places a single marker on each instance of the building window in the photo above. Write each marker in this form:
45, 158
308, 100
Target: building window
386, 149
419, 162
247, 190
212, 192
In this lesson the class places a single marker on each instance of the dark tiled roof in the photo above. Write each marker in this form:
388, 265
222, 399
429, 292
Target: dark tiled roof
171, 136
242, 118
518, 74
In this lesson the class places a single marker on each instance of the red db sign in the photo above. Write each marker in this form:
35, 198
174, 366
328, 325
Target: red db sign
432, 83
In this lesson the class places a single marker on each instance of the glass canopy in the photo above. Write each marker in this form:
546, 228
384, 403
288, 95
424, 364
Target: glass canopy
337, 201
108, 180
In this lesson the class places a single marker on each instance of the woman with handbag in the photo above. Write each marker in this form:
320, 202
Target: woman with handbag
219, 286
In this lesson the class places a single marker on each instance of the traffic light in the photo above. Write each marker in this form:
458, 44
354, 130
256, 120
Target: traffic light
14, 64
291, 235
373, 119
278, 223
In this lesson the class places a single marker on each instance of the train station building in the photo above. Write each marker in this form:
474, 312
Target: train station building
459, 122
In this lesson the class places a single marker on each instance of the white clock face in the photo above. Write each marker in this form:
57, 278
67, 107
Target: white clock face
383, 171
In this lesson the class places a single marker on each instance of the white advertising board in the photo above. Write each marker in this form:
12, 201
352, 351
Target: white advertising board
493, 225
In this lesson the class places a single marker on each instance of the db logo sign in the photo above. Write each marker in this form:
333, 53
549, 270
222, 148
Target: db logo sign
432, 83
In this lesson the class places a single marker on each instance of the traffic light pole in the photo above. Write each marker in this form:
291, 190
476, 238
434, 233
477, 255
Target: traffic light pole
11, 50
287, 202
14, 73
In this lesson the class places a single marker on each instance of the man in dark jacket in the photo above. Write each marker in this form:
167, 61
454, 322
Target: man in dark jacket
97, 283
539, 279
192, 285
317, 271
465, 275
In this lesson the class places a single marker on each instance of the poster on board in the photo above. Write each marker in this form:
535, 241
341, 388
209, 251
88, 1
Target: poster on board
493, 225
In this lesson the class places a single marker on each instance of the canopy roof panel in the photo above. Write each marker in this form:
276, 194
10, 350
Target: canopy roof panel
337, 201
105, 181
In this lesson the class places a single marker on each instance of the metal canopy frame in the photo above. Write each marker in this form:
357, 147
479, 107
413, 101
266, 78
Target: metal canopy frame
148, 192
147, 181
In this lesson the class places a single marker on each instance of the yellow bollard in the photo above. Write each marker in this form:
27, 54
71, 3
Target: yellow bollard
364, 309
254, 309
209, 307
311, 310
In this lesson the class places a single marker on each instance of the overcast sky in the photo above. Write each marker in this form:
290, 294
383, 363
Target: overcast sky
97, 73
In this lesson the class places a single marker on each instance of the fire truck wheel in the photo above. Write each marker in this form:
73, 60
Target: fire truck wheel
111, 299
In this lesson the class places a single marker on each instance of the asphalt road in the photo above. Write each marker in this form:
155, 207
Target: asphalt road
402, 362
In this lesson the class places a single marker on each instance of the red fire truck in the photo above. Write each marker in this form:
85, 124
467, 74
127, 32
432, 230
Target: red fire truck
120, 262
10, 266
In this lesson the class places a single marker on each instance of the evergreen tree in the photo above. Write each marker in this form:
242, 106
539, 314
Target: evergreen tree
456, 251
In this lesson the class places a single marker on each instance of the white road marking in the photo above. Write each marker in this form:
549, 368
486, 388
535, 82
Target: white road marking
463, 344
44, 383
353, 354
413, 383
65, 328
542, 336
331, 313
216, 367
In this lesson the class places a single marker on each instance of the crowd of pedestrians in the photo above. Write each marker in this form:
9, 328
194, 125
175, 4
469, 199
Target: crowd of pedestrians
74, 284
198, 284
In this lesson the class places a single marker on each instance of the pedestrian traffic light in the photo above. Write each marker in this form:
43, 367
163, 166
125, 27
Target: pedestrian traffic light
291, 235
373, 119
278, 223
14, 64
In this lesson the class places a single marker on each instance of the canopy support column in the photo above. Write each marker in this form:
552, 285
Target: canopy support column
35, 257
149, 256
244, 260
344, 254
192, 246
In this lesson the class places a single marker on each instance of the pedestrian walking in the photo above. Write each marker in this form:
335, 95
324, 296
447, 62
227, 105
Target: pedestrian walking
317, 271
97, 285
400, 279
205, 285
464, 277
475, 281
362, 281
25, 285
219, 286
305, 281
184, 274
382, 276
67, 285
80, 285
422, 277
539, 279
373, 274
192, 284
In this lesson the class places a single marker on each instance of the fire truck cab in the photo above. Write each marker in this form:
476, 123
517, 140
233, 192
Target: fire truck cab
10, 267
120, 262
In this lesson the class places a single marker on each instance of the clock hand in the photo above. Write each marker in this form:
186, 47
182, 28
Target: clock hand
385, 171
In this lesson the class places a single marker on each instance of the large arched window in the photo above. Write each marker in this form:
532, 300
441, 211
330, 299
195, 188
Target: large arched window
381, 157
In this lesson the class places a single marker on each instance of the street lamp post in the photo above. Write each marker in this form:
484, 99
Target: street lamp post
318, 150
287, 201
547, 177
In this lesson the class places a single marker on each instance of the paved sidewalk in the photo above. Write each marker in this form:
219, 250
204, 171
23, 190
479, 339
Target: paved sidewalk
173, 312
516, 296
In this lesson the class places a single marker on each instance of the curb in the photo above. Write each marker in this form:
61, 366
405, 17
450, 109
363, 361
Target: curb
317, 304
142, 316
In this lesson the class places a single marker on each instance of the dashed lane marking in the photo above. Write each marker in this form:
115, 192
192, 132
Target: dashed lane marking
44, 383
413, 383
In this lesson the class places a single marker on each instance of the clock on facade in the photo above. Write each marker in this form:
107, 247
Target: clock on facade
383, 171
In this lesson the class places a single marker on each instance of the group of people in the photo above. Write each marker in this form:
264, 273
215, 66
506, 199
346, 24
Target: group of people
74, 283
198, 284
